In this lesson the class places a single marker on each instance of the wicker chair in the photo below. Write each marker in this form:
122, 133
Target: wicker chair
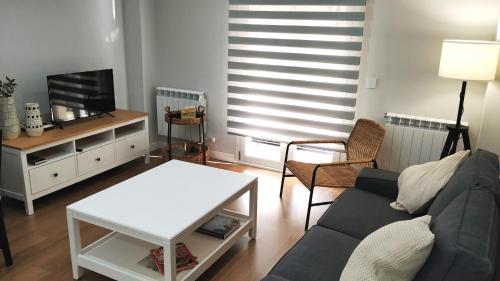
361, 149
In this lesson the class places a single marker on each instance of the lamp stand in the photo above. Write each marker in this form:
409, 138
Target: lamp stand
456, 130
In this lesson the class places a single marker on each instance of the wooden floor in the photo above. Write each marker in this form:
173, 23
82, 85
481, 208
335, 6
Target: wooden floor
39, 243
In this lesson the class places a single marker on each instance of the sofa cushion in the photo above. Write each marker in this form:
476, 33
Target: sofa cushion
466, 236
480, 169
358, 213
396, 251
419, 184
320, 255
274, 278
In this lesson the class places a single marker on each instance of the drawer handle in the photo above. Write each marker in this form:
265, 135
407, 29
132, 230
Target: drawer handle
132, 146
55, 175
98, 159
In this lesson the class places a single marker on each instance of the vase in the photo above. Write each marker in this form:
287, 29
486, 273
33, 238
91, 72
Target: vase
9, 120
34, 125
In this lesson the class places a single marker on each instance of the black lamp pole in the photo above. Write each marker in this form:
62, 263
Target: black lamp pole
461, 104
455, 131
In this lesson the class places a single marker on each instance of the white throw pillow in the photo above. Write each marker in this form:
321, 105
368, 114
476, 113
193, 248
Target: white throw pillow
396, 251
421, 183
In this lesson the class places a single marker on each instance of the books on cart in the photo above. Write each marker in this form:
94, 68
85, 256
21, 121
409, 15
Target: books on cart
220, 226
184, 259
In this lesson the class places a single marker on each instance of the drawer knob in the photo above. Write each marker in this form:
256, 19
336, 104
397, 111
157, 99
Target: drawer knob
132, 146
98, 159
55, 175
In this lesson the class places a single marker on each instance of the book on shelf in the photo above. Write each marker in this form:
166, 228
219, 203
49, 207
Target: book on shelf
184, 259
220, 226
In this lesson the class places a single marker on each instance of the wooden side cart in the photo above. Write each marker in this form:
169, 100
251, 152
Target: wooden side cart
188, 150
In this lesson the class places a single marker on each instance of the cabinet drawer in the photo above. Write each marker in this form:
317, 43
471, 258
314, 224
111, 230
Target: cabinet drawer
95, 159
52, 174
130, 146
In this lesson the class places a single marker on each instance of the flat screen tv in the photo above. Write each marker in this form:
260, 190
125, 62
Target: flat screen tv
82, 94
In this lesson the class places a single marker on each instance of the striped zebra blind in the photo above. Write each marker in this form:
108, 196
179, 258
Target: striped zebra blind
293, 67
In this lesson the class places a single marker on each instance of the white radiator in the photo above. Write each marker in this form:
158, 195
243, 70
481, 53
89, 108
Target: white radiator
411, 140
177, 99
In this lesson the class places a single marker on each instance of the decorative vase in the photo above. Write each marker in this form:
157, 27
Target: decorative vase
9, 120
34, 125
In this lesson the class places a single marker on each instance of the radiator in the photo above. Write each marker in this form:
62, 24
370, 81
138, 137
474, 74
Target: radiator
177, 99
411, 140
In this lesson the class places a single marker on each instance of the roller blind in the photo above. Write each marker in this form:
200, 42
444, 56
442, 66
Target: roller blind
293, 67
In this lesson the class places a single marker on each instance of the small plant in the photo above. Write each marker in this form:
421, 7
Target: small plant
7, 88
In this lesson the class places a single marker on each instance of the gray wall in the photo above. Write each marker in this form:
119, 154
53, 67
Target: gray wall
44, 37
192, 54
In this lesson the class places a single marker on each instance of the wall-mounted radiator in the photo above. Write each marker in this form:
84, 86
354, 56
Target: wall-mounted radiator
411, 140
177, 99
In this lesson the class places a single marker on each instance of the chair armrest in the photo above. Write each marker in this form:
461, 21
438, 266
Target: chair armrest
381, 182
318, 141
347, 162
298, 142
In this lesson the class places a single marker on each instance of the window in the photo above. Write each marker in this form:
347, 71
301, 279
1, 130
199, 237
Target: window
293, 68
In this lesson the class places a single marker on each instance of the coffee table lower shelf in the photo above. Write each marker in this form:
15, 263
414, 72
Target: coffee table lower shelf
118, 256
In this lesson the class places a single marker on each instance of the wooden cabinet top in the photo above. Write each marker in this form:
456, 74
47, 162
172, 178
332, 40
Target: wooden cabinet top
73, 129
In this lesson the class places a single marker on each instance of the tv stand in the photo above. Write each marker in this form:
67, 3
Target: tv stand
107, 113
85, 148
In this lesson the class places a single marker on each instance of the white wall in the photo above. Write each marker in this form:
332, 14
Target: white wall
140, 56
402, 51
184, 44
42, 37
133, 54
489, 138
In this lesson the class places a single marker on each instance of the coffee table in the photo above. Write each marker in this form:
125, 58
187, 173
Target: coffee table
160, 207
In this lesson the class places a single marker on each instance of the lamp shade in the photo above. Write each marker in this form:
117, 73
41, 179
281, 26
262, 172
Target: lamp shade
469, 60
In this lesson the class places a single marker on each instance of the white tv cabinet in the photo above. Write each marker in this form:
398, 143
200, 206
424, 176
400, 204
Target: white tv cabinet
82, 149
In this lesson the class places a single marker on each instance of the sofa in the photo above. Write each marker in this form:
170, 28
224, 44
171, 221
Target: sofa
465, 222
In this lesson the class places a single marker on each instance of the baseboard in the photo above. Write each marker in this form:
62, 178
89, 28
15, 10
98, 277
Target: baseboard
223, 156
229, 157
154, 146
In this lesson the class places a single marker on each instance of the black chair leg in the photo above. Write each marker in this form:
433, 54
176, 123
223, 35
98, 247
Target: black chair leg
4, 242
282, 180
309, 205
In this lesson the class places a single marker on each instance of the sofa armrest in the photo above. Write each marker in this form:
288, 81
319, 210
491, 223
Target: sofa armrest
381, 182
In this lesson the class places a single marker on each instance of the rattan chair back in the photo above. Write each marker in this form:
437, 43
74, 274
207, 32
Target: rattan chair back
365, 140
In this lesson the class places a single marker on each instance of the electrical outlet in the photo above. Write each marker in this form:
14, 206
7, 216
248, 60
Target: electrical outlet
212, 140
371, 83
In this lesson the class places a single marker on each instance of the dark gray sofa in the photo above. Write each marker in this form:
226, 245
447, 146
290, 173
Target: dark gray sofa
465, 221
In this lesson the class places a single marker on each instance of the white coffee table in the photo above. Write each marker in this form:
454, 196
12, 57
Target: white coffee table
160, 207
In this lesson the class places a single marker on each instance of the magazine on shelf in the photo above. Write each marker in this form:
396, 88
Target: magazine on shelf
220, 226
184, 259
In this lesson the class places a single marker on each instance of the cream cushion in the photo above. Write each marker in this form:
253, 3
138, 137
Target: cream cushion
419, 184
396, 251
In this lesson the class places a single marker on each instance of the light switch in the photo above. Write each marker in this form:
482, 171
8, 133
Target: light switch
371, 83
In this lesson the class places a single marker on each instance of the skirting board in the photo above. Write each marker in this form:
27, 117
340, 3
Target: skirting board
154, 146
222, 156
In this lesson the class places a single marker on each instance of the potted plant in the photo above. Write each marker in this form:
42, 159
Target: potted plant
8, 113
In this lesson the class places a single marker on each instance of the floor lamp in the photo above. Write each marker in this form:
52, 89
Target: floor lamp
466, 61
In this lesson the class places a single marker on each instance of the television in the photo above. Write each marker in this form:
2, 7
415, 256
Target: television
80, 95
